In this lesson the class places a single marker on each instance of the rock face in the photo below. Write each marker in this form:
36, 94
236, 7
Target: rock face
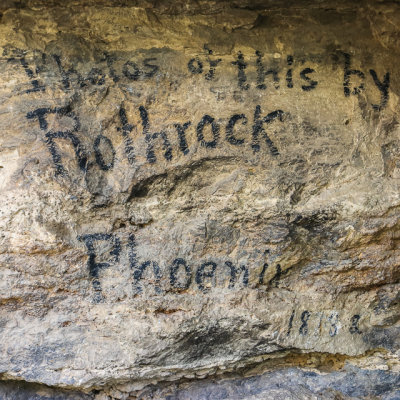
199, 190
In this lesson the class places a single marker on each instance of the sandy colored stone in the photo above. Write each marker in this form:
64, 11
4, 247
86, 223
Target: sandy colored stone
252, 252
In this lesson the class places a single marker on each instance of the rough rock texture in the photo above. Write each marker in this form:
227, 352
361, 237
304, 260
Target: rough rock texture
199, 190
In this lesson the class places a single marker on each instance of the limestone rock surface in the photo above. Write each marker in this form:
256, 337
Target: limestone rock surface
199, 200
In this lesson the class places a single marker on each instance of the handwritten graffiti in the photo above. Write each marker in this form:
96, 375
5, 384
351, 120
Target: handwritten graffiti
210, 132
113, 68
207, 123
308, 320
95, 267
179, 274
307, 82
40, 114
354, 328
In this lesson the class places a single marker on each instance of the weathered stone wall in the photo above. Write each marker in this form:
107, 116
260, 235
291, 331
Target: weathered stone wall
202, 190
